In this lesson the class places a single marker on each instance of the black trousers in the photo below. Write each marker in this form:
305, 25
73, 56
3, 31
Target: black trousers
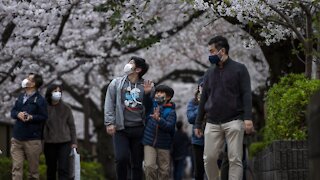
225, 164
128, 151
199, 171
57, 158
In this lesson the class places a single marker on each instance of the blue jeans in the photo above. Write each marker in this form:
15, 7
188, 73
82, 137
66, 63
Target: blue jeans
128, 151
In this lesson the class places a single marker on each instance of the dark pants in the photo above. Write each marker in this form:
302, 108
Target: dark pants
128, 152
199, 171
178, 168
225, 164
57, 157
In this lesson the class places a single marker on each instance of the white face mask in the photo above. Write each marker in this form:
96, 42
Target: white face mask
24, 83
128, 69
56, 96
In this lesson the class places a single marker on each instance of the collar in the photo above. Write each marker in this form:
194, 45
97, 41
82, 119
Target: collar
224, 63
29, 95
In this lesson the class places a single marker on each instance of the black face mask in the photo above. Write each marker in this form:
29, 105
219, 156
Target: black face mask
214, 59
160, 100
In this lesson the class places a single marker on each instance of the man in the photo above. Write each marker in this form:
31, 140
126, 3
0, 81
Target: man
226, 101
125, 115
30, 112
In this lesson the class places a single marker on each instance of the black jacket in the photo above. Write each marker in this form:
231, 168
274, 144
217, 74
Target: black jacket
226, 94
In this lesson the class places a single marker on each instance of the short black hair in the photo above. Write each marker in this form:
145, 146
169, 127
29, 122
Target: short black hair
49, 91
166, 89
37, 79
220, 42
140, 63
179, 125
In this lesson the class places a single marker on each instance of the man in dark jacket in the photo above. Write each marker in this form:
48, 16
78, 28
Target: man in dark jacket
226, 101
30, 112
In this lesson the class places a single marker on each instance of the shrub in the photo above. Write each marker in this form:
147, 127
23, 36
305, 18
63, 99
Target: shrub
89, 170
256, 147
286, 106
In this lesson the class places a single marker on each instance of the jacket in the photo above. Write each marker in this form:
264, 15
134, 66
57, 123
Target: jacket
60, 127
36, 106
226, 94
159, 134
192, 111
113, 106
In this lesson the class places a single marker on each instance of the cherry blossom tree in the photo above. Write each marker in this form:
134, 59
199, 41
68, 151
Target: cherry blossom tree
79, 43
276, 20
84, 44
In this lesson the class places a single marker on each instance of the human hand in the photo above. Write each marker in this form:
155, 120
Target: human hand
198, 132
111, 129
248, 126
148, 85
21, 116
156, 113
74, 146
24, 116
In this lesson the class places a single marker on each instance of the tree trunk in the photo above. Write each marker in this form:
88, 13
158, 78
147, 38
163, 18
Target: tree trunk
281, 60
318, 60
105, 153
86, 113
308, 46
105, 144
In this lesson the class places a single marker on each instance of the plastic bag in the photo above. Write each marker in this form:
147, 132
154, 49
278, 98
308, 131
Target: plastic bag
74, 168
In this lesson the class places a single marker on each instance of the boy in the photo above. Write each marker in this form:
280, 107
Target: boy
125, 115
158, 133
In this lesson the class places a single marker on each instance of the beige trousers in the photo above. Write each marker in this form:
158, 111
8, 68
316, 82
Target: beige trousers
156, 163
30, 150
215, 136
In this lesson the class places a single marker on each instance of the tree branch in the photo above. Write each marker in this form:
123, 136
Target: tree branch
287, 19
7, 33
297, 55
9, 73
63, 22
170, 32
185, 75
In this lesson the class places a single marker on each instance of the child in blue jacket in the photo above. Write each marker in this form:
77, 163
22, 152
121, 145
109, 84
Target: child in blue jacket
158, 134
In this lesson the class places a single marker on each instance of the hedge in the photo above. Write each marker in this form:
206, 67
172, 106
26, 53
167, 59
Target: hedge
89, 170
286, 106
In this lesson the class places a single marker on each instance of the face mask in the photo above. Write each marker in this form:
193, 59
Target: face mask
160, 100
24, 83
56, 96
128, 69
214, 59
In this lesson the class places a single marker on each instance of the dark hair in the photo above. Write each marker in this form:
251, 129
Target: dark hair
179, 125
166, 89
37, 79
220, 42
200, 81
195, 100
140, 63
200, 84
49, 91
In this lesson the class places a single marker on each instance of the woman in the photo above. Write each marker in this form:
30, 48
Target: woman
59, 134
197, 143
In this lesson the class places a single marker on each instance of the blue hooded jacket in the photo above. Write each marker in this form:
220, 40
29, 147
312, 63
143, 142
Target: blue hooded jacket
192, 112
159, 134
